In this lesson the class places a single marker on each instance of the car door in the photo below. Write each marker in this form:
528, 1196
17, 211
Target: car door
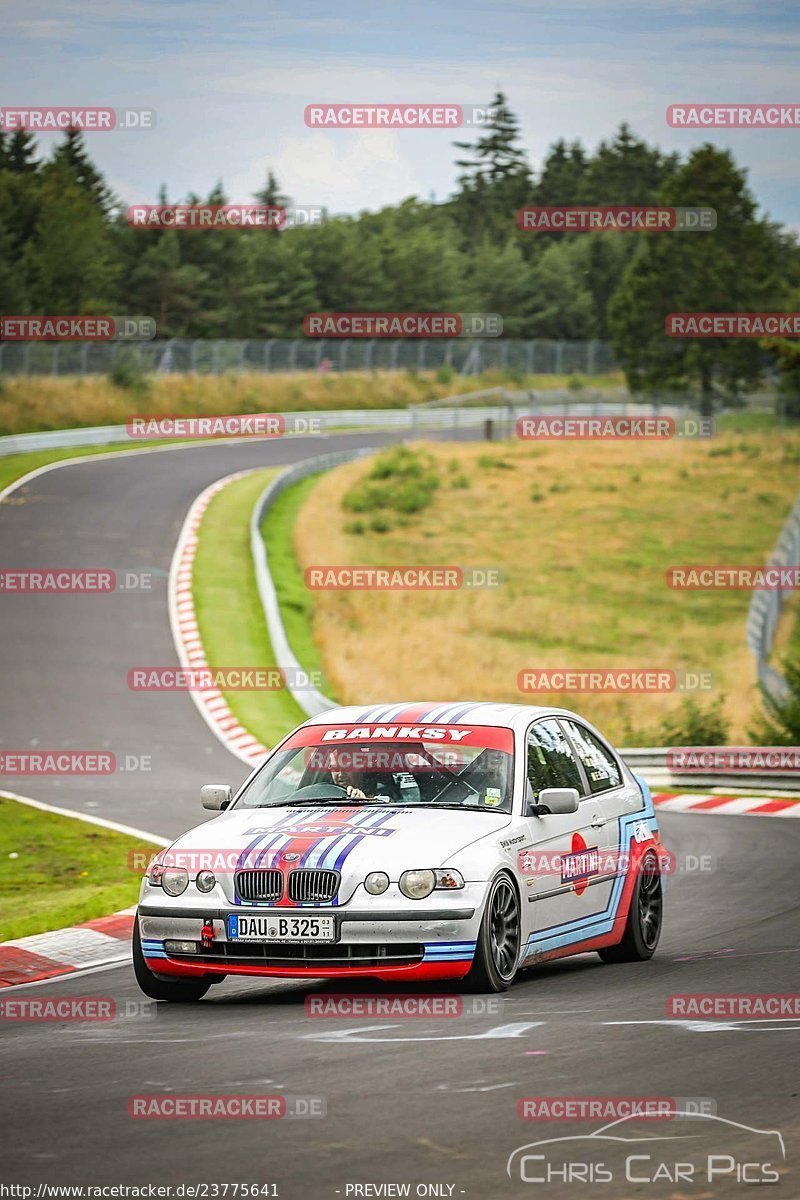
562, 872
617, 795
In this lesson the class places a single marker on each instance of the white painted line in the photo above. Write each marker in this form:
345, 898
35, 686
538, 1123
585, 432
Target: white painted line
79, 816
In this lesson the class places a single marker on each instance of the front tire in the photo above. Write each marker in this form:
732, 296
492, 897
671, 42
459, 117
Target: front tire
497, 951
177, 990
643, 927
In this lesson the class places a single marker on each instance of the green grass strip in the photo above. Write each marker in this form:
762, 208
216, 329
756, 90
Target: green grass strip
56, 871
228, 607
294, 598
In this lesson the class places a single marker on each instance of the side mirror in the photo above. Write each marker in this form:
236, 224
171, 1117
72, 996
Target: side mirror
559, 801
216, 796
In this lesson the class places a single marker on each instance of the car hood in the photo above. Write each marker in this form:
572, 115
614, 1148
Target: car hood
354, 840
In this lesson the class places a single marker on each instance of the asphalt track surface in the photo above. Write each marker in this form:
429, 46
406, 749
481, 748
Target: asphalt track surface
408, 1102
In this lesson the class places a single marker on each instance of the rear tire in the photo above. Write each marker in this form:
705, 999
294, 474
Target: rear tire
177, 990
497, 951
643, 927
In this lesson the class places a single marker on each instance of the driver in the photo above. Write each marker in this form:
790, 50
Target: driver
348, 774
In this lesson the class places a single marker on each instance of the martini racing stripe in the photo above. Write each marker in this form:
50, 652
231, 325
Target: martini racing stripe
448, 951
579, 930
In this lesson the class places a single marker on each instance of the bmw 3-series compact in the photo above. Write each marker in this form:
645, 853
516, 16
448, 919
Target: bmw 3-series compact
409, 842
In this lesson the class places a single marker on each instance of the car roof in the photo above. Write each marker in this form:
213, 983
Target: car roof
475, 712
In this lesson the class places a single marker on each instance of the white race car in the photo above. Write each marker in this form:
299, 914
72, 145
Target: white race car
409, 842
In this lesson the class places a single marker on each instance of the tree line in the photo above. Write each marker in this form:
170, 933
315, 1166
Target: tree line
66, 248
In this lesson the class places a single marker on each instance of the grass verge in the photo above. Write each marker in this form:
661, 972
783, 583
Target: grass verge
56, 871
582, 534
228, 607
294, 598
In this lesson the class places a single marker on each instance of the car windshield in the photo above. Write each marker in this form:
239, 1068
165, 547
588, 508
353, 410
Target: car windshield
440, 766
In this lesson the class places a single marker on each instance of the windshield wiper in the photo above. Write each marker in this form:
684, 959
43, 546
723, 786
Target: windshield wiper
459, 807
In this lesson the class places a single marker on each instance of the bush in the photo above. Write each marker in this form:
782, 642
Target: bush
779, 723
401, 480
696, 726
128, 371
445, 374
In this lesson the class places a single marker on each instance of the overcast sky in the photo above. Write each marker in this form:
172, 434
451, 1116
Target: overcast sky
230, 81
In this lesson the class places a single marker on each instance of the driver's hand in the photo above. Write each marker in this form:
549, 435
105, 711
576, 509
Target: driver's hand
355, 793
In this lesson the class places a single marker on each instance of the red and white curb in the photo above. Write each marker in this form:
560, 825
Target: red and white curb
750, 806
211, 703
99, 943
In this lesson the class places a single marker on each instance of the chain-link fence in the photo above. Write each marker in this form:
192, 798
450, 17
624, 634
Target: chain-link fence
183, 356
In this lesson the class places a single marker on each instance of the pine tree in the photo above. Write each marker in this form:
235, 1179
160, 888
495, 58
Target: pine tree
21, 152
72, 154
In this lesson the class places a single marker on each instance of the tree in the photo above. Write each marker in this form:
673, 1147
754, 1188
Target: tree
270, 193
495, 180
563, 173
495, 155
69, 258
626, 171
779, 724
735, 268
73, 156
20, 154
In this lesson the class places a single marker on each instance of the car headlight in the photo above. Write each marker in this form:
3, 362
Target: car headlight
417, 884
174, 880
376, 883
206, 881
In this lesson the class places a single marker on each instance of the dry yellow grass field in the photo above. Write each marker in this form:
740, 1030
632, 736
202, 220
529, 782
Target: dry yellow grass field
50, 402
583, 533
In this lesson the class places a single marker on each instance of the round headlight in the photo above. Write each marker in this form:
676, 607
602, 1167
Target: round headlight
376, 882
175, 880
417, 884
206, 880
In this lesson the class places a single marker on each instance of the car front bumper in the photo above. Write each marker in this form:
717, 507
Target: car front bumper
383, 942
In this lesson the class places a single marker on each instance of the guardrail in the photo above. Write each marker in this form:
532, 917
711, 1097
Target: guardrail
766, 606
651, 762
417, 419
309, 698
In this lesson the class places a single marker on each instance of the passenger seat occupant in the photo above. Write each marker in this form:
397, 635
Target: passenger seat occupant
488, 774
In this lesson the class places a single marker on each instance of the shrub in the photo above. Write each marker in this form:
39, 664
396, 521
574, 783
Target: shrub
401, 480
696, 726
779, 723
128, 371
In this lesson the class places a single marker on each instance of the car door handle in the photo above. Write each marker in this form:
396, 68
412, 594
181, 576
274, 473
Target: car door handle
597, 821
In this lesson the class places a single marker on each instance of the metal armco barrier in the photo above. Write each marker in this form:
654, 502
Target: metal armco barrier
766, 607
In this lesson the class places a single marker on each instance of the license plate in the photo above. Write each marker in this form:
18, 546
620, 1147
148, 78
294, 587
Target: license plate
274, 928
